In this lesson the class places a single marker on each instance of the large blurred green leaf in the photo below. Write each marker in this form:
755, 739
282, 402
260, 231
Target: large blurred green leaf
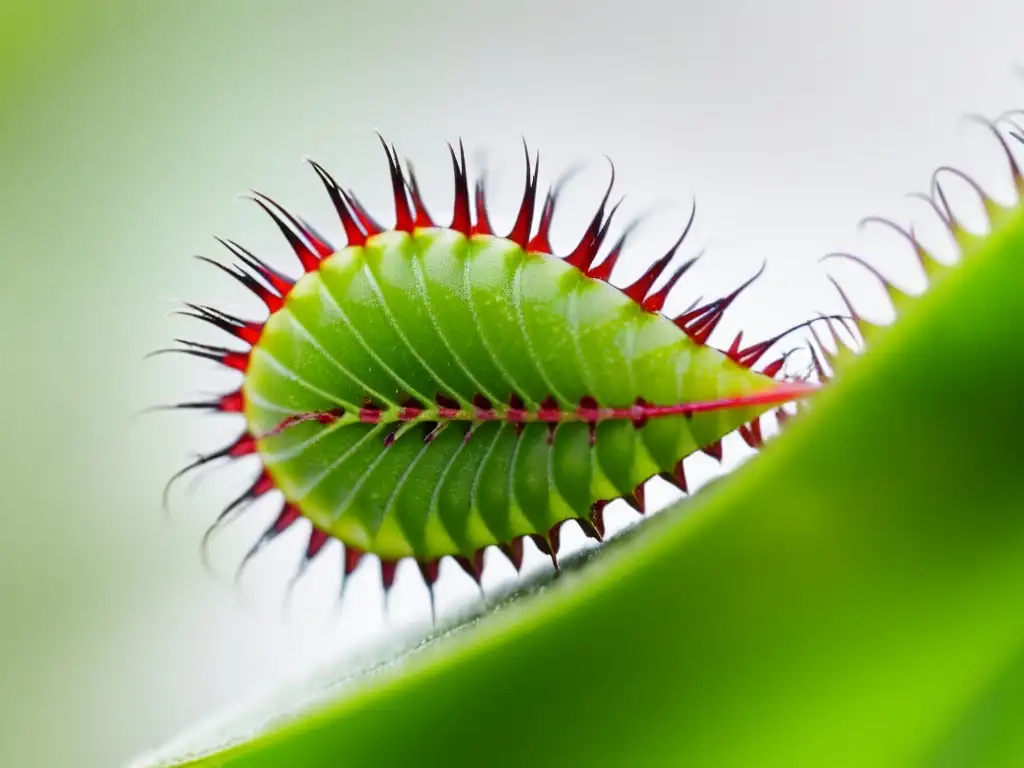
853, 596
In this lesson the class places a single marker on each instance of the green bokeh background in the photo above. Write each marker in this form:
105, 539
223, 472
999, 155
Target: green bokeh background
127, 128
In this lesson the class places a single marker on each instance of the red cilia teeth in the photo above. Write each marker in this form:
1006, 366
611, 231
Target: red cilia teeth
431, 390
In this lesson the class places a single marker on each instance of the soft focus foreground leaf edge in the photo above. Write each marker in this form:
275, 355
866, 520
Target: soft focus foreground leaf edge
846, 599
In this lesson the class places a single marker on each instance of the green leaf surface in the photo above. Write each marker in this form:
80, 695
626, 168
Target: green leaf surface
853, 596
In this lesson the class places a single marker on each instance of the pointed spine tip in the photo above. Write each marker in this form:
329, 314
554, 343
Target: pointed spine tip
514, 552
229, 358
423, 219
520, 233
637, 499
308, 248
246, 331
640, 290
677, 477
369, 224
700, 323
388, 571
285, 519
460, 214
472, 565
354, 233
272, 299
318, 538
404, 219
541, 242
586, 250
353, 557
714, 450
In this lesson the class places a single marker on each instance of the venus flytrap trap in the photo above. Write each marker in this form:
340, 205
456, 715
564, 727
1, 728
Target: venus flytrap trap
848, 597
432, 390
